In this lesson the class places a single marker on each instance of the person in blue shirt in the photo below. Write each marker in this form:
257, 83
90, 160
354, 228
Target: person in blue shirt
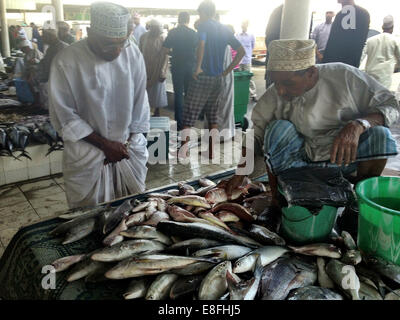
205, 91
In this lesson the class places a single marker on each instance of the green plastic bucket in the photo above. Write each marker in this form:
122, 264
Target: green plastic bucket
379, 218
241, 94
300, 226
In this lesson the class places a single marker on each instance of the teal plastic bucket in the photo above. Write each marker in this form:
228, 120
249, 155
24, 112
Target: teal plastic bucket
379, 218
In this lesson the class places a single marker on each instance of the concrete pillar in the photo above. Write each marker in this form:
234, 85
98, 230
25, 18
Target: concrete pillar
58, 5
5, 40
296, 19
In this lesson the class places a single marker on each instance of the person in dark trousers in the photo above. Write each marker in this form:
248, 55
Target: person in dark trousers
348, 35
181, 44
36, 35
272, 33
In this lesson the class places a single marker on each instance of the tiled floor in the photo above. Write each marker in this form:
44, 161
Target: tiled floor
26, 203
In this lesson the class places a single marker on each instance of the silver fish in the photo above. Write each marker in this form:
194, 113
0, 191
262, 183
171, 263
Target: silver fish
84, 268
81, 231
137, 288
136, 219
146, 232
284, 275
161, 286
151, 264
348, 241
245, 290
384, 268
394, 295
115, 237
323, 278
352, 257
367, 292
194, 230
214, 284
319, 249
65, 262
157, 217
127, 249
345, 278
267, 254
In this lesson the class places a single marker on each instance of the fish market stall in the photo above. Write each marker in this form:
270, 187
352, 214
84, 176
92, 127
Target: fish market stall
183, 242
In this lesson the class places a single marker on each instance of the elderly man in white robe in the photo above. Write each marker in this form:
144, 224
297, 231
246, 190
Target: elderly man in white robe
330, 115
98, 104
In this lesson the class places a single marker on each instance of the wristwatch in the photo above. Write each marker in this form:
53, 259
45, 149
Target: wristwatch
364, 123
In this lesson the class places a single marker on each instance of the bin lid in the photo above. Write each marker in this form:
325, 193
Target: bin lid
243, 74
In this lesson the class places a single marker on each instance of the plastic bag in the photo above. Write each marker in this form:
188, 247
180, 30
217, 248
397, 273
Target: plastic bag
315, 187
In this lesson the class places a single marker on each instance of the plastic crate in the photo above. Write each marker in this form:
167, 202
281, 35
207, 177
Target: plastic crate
158, 126
241, 97
24, 93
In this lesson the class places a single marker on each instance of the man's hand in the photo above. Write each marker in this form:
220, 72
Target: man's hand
196, 74
344, 149
226, 72
114, 152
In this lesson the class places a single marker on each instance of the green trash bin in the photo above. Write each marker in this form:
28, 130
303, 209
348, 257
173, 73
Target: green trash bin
379, 218
241, 99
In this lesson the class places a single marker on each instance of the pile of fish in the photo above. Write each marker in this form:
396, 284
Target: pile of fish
14, 138
201, 244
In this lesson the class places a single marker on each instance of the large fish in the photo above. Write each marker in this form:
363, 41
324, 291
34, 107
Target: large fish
151, 264
345, 278
198, 230
284, 275
161, 286
214, 284
267, 255
206, 182
146, 232
127, 249
214, 220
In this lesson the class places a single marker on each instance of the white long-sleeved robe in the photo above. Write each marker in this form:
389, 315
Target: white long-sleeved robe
383, 53
88, 94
